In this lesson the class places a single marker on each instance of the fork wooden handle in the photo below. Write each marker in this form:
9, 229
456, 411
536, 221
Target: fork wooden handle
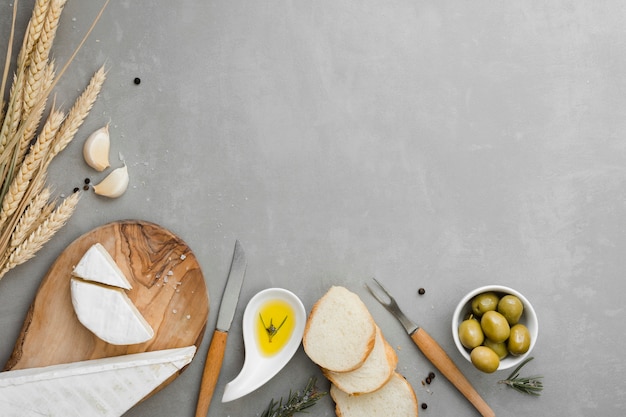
435, 353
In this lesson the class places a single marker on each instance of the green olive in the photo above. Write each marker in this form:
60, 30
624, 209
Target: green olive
485, 359
519, 340
495, 326
484, 302
511, 308
501, 348
470, 333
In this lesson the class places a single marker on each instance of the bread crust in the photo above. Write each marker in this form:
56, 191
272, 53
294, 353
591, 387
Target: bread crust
341, 398
389, 360
311, 347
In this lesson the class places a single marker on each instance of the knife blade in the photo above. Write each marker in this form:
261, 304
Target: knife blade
228, 305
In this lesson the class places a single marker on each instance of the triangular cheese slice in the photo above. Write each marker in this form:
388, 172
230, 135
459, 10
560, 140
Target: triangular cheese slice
105, 387
99, 266
109, 313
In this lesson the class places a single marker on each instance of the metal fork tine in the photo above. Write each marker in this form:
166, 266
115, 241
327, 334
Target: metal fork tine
384, 289
375, 294
393, 307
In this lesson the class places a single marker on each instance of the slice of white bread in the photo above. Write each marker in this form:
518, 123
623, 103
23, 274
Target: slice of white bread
396, 398
340, 332
373, 374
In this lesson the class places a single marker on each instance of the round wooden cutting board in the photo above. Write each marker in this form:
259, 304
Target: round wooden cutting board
168, 289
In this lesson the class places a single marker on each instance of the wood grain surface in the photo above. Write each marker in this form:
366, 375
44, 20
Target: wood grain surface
168, 289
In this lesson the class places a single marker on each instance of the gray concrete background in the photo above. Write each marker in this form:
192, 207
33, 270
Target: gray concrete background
436, 144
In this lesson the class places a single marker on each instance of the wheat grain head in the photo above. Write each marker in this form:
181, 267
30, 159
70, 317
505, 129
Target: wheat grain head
41, 235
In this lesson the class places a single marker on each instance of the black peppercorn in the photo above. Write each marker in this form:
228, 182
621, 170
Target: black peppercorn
137, 81
85, 187
421, 291
76, 189
87, 180
428, 380
424, 406
431, 375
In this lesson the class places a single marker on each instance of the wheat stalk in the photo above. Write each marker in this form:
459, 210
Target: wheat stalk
27, 218
33, 161
35, 27
35, 214
77, 114
4, 156
31, 123
29, 78
40, 55
64, 135
7, 60
12, 114
31, 218
41, 235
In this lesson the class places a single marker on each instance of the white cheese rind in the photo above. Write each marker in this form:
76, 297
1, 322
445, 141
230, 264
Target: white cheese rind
99, 266
109, 313
105, 387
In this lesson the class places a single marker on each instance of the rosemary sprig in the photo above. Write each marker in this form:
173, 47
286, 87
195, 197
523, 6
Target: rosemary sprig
531, 385
271, 329
296, 402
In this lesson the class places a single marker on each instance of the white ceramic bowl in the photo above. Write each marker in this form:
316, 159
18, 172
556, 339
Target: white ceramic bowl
529, 319
259, 368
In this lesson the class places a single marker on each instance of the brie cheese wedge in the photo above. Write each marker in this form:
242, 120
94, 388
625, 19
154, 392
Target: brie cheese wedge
109, 313
105, 387
99, 266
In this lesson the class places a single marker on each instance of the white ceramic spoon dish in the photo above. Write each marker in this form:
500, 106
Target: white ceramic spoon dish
273, 325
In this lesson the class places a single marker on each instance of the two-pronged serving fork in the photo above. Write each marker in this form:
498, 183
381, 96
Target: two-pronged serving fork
431, 349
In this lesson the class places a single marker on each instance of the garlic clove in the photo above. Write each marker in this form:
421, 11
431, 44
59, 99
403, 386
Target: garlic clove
115, 184
96, 149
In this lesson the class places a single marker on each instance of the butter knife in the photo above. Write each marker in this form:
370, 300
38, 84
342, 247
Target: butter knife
215, 355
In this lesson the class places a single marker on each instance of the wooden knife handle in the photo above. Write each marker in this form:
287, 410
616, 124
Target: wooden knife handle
211, 372
435, 353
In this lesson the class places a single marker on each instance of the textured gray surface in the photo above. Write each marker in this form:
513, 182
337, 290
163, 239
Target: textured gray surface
436, 144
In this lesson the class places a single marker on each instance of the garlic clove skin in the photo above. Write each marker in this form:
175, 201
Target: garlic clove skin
96, 149
115, 184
